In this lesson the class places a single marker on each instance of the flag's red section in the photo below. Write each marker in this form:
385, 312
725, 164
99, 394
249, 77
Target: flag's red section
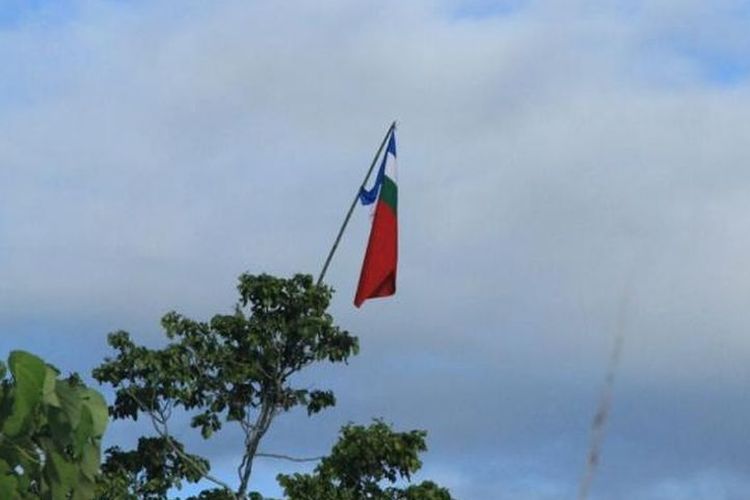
378, 277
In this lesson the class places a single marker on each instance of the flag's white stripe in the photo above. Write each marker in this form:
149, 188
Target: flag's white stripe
390, 167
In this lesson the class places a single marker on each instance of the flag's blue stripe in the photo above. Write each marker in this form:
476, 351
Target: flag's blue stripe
392, 145
368, 196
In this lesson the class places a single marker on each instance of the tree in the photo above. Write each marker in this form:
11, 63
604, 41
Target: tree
236, 369
360, 462
149, 471
51, 431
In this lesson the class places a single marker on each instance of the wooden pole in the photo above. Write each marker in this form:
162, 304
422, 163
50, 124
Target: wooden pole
354, 204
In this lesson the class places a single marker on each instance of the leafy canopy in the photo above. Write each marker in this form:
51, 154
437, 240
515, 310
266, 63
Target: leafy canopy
50, 432
236, 368
363, 459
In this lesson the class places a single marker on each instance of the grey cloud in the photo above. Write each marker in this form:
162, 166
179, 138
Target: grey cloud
549, 155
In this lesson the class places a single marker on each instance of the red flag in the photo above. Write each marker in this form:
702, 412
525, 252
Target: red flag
378, 276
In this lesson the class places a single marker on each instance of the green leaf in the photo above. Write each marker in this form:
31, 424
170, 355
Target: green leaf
69, 396
62, 476
90, 461
8, 482
84, 431
49, 394
8, 487
97, 406
28, 372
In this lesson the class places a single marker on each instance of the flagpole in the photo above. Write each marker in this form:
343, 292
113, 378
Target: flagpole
354, 204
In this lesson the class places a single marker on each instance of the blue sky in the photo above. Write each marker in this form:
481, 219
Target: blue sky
551, 153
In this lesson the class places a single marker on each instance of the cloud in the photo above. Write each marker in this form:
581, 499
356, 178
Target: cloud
549, 152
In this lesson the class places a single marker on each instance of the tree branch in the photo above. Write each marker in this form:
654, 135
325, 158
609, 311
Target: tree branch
287, 457
252, 439
157, 419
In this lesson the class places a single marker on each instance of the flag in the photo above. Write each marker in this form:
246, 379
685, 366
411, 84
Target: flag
378, 276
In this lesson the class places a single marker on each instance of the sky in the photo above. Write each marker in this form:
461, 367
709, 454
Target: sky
557, 160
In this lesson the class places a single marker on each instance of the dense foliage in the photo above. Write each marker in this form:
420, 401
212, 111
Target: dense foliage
361, 462
51, 432
236, 369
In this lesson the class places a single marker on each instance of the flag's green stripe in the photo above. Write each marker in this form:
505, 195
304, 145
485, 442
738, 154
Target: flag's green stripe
389, 193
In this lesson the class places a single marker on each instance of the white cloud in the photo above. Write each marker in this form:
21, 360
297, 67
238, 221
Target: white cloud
549, 153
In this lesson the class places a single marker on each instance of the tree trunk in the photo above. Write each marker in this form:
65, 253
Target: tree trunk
251, 447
